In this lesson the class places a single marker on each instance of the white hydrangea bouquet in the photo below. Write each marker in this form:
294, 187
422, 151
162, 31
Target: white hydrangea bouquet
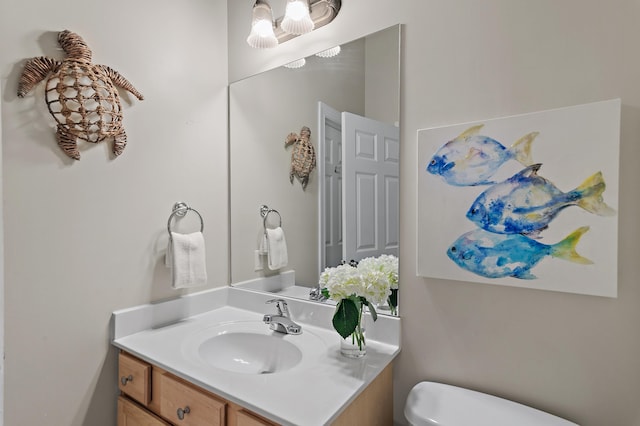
369, 284
388, 265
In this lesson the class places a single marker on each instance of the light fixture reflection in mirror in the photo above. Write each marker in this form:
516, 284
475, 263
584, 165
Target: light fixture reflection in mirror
263, 109
296, 64
329, 53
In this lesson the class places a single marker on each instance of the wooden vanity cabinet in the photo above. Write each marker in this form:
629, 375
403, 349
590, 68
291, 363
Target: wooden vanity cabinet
151, 396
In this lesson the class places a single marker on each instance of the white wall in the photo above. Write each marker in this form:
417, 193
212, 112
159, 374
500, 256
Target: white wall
85, 238
575, 356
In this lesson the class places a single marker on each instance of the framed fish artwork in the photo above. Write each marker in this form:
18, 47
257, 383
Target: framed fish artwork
525, 201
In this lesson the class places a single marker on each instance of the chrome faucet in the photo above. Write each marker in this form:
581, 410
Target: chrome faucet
316, 294
281, 322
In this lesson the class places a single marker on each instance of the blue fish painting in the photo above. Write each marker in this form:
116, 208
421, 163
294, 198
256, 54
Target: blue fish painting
498, 255
471, 159
526, 203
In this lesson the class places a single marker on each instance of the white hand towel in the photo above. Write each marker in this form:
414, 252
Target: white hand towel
277, 248
186, 257
263, 249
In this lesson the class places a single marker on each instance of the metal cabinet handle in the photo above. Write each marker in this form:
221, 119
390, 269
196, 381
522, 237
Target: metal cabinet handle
181, 412
126, 379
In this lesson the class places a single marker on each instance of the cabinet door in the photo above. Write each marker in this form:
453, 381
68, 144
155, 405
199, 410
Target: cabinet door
130, 414
244, 418
184, 404
238, 416
373, 407
134, 378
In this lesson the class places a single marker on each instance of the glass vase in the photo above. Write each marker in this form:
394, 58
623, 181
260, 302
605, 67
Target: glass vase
392, 301
355, 345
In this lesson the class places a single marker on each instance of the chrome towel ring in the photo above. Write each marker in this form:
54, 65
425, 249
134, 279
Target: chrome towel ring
181, 209
264, 212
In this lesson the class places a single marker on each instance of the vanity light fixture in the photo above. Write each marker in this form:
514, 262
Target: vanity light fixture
329, 53
301, 16
262, 35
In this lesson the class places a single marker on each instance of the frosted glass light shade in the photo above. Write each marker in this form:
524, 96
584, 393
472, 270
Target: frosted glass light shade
262, 35
296, 18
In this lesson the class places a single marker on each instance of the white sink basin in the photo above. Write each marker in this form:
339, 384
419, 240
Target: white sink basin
250, 347
250, 353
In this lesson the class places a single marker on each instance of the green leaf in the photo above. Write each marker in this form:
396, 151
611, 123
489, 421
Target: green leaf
393, 298
374, 314
372, 310
325, 292
346, 317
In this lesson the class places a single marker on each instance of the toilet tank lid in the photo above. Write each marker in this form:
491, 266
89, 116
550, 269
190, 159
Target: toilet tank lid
431, 403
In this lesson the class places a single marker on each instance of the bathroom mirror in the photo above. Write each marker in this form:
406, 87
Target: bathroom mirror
362, 81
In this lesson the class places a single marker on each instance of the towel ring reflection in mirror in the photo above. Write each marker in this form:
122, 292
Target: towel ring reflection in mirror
181, 209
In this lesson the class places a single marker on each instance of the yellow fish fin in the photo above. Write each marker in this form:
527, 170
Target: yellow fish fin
591, 196
471, 131
533, 217
522, 148
473, 152
566, 249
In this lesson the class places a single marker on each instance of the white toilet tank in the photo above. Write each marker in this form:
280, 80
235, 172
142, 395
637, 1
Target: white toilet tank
437, 404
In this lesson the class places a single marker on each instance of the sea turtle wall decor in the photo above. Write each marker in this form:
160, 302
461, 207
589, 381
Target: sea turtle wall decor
303, 156
82, 97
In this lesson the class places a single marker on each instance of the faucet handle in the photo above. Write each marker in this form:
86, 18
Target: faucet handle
281, 306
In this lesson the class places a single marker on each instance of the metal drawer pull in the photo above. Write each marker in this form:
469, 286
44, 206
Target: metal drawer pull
182, 412
124, 379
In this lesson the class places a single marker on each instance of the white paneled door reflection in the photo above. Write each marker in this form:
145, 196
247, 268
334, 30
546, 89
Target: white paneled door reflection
370, 172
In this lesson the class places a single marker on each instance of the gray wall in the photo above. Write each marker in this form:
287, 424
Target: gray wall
382, 79
83, 239
575, 356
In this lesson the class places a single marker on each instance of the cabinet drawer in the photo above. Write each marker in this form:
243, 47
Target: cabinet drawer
134, 378
131, 414
197, 408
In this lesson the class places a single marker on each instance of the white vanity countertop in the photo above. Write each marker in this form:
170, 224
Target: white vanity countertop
313, 393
